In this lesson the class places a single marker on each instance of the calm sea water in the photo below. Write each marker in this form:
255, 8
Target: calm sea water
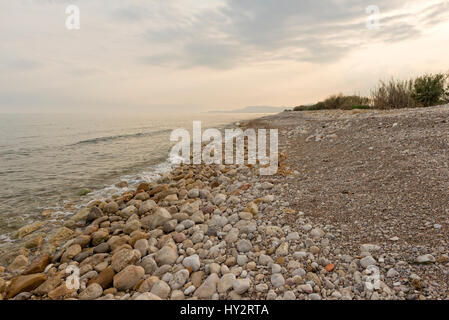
46, 159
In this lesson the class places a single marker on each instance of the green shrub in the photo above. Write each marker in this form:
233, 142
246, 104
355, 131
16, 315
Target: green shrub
430, 89
361, 107
337, 102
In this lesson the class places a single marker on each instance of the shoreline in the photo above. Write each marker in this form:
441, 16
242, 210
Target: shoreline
224, 232
66, 207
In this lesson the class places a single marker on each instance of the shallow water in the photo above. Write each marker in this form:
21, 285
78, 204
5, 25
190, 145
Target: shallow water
46, 159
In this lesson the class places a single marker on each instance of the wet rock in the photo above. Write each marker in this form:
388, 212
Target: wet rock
38, 264
60, 235
80, 215
22, 232
18, 264
94, 214
24, 283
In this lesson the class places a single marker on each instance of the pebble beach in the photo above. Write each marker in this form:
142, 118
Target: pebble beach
222, 232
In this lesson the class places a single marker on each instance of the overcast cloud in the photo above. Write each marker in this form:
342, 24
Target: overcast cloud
207, 54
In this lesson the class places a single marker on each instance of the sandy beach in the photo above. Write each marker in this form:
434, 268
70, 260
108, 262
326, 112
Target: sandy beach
357, 210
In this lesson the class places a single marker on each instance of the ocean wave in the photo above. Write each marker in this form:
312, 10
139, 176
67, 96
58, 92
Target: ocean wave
122, 136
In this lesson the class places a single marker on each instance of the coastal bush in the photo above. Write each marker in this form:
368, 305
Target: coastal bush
423, 91
430, 89
337, 102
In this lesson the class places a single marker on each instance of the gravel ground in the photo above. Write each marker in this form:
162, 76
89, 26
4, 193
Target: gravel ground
377, 177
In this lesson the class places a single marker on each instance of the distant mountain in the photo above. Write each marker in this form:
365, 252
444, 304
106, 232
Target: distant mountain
253, 109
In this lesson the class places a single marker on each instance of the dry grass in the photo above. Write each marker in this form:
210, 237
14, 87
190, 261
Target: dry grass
394, 94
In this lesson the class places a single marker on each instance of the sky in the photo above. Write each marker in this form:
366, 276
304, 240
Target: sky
145, 56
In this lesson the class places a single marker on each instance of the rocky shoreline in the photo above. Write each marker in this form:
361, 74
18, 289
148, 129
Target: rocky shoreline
208, 232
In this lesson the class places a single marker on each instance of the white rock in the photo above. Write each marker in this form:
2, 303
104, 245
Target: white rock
307, 288
179, 279
226, 283
219, 199
192, 262
277, 280
189, 290
241, 285
275, 268
161, 289
391, 273
147, 296
159, 218
262, 287
271, 295
266, 185
292, 236
282, 250
244, 245
93, 291
314, 296
242, 259
425, 259
316, 233
369, 248
289, 295
367, 261
208, 288
265, 260
167, 255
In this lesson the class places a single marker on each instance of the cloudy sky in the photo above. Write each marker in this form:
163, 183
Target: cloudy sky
184, 55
